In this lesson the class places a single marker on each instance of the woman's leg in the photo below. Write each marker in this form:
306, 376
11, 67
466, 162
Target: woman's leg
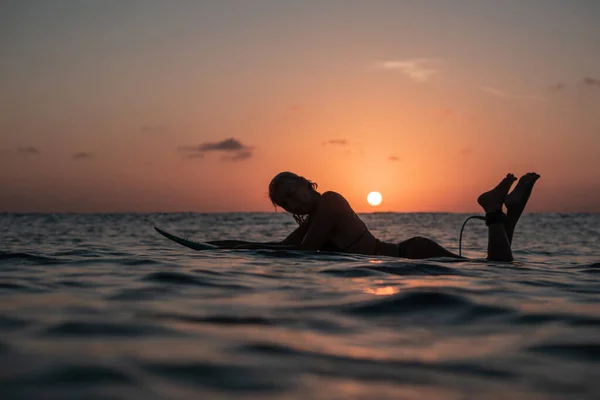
498, 245
491, 202
420, 247
516, 201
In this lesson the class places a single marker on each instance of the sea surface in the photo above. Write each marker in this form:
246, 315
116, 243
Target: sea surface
102, 307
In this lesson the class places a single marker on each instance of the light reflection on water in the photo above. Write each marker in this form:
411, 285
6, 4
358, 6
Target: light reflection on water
382, 291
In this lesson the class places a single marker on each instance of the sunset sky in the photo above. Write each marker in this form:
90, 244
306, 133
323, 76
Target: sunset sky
116, 106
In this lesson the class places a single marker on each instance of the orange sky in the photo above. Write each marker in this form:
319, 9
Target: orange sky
117, 107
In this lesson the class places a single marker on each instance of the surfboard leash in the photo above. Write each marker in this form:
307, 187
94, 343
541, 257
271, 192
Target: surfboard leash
461, 231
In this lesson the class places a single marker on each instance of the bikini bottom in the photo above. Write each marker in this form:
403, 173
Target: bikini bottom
405, 245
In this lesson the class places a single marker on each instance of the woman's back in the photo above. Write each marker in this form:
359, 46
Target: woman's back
349, 233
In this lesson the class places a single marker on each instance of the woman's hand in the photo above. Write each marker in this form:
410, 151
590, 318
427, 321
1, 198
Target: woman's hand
250, 246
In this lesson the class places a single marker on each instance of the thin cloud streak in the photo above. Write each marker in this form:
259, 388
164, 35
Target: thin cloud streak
30, 150
557, 87
340, 142
508, 96
239, 156
393, 158
591, 82
419, 69
81, 156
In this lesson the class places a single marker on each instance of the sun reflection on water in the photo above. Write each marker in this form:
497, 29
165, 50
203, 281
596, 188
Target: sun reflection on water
382, 291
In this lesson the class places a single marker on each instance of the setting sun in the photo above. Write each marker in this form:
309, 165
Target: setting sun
374, 198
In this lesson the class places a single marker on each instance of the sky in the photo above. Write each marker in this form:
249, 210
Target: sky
144, 106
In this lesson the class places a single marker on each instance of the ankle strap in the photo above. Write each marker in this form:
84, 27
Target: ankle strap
494, 217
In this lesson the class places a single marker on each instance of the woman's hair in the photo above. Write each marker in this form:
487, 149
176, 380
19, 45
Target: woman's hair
288, 178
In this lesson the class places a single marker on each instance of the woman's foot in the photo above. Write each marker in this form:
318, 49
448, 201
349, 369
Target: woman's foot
491, 201
517, 200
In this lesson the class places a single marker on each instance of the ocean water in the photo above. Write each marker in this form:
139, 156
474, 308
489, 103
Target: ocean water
102, 307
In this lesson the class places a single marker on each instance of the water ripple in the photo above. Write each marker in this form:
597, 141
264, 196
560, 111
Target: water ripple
411, 302
179, 278
29, 258
105, 329
580, 351
100, 307
235, 378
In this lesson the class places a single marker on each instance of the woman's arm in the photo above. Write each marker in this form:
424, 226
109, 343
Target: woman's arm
234, 244
269, 246
298, 234
317, 231
294, 238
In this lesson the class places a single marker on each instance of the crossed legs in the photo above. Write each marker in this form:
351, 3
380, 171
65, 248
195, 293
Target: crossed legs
501, 227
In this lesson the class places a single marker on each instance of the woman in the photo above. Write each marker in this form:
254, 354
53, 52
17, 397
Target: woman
327, 222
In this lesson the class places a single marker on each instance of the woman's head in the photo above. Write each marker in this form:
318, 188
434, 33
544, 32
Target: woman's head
293, 193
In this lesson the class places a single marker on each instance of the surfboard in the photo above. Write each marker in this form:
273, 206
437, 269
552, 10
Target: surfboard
187, 243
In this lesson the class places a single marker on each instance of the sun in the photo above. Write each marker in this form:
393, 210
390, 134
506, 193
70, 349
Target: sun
374, 198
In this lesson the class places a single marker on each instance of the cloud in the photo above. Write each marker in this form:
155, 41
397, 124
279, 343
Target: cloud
81, 156
508, 96
239, 156
466, 151
30, 150
591, 82
557, 87
341, 142
418, 69
494, 92
230, 145
345, 145
393, 158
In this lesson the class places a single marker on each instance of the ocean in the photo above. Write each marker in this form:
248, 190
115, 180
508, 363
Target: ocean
100, 306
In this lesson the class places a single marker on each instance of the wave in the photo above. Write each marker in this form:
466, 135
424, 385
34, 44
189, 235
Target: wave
67, 376
219, 319
400, 268
356, 367
105, 329
230, 377
30, 258
581, 351
421, 301
593, 268
567, 319
180, 278
404, 268
8, 323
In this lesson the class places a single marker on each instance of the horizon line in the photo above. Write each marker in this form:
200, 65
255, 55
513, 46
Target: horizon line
2, 213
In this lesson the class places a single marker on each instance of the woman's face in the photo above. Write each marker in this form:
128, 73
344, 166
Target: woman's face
295, 198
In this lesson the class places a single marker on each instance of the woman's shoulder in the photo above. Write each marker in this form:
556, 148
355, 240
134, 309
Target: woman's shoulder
331, 195
334, 198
